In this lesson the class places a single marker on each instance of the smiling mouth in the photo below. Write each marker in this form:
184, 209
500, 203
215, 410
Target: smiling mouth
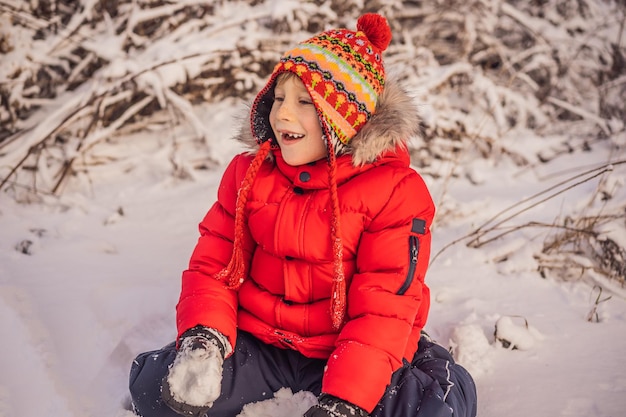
290, 137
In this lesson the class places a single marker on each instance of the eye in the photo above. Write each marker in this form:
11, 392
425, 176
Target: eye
305, 101
279, 98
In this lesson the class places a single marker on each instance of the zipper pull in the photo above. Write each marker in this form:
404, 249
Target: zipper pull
414, 249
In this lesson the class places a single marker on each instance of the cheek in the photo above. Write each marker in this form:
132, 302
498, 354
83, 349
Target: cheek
272, 117
323, 150
313, 122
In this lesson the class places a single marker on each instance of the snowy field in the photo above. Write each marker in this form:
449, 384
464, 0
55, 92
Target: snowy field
90, 277
100, 278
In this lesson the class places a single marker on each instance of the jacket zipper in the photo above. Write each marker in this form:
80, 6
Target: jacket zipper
414, 248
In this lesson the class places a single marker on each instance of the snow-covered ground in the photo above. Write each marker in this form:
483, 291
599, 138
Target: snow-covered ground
100, 278
90, 278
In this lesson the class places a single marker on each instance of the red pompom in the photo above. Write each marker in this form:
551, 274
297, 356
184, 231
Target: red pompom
376, 29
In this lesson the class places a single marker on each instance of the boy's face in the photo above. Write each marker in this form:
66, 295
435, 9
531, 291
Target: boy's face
295, 123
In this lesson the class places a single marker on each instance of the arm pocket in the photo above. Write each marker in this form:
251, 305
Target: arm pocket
418, 226
414, 249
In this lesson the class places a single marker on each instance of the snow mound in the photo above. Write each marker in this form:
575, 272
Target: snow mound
471, 349
516, 336
284, 404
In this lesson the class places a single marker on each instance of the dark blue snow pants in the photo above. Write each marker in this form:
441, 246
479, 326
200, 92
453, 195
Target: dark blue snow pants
432, 385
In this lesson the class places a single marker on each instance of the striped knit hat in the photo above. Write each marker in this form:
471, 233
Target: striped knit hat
344, 74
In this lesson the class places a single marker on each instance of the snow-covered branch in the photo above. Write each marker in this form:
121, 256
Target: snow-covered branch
489, 75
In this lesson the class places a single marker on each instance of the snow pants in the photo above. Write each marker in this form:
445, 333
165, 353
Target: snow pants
432, 385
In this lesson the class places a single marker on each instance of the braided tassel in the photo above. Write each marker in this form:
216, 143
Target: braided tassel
338, 296
235, 272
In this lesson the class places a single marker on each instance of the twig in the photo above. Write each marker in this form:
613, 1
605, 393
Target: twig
19, 164
532, 224
604, 168
593, 314
478, 232
67, 165
26, 18
582, 113
112, 90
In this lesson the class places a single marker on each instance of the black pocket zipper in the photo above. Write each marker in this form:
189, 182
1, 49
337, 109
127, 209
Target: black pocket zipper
414, 248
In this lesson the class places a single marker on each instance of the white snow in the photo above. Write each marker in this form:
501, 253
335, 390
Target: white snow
195, 377
514, 335
90, 279
101, 279
285, 403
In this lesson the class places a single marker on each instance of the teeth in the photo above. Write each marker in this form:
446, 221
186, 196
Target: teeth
293, 136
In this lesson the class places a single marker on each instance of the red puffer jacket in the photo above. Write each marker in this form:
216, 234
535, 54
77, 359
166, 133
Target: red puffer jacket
386, 213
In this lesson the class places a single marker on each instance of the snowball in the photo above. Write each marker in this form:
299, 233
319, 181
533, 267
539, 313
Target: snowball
195, 377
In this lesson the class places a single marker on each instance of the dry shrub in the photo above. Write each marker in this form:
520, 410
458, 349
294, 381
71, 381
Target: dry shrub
493, 71
120, 66
582, 249
484, 68
492, 74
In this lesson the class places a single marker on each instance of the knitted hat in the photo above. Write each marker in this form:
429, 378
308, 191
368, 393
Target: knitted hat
344, 74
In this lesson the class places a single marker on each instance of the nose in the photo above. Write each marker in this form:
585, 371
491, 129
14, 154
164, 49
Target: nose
285, 111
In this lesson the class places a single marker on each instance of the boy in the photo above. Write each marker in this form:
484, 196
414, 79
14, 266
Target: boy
309, 271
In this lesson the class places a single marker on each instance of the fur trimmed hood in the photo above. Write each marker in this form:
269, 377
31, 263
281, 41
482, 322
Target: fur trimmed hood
395, 121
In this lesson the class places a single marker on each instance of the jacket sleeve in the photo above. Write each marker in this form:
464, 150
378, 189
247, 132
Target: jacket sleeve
388, 300
203, 299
